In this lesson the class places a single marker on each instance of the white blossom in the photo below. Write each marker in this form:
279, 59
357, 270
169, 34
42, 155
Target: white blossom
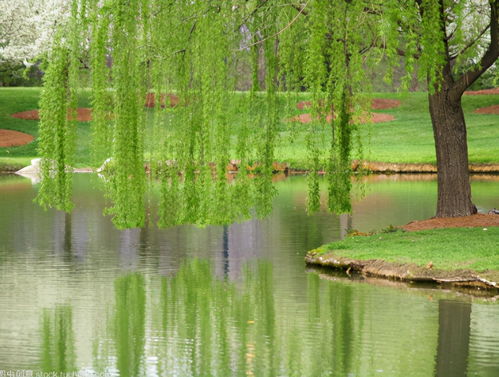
27, 27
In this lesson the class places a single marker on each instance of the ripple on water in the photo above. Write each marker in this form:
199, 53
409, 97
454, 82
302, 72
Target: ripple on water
270, 318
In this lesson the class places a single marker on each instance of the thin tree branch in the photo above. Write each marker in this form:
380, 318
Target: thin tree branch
382, 45
490, 56
251, 14
470, 43
300, 9
279, 32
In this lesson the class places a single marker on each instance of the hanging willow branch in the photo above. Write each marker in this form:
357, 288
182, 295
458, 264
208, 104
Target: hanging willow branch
183, 59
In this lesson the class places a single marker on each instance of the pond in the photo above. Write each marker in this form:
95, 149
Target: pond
77, 295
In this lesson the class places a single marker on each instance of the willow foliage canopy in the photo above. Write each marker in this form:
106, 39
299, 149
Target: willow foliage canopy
196, 48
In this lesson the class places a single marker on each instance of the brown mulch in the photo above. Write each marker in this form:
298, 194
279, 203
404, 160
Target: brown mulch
384, 103
377, 104
27, 115
482, 92
478, 220
302, 105
10, 138
494, 109
173, 100
371, 118
306, 118
376, 118
83, 114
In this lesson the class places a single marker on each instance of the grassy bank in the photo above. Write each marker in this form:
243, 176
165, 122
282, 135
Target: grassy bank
447, 249
447, 253
14, 100
408, 139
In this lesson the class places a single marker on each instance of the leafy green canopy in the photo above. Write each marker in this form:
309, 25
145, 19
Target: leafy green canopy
194, 49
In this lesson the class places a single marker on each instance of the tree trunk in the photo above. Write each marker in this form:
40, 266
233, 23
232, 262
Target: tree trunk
454, 320
449, 131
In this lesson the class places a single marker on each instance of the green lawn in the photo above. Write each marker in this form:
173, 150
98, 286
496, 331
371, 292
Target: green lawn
448, 249
13, 100
410, 137
407, 139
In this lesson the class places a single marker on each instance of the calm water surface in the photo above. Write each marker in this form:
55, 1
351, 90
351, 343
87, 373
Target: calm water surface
78, 295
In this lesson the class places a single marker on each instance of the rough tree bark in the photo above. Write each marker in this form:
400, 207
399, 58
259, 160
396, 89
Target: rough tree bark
449, 126
449, 131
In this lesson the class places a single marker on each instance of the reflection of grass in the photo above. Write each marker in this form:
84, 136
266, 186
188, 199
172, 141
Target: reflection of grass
407, 139
447, 249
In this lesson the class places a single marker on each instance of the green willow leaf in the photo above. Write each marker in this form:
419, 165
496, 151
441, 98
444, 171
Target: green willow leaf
167, 109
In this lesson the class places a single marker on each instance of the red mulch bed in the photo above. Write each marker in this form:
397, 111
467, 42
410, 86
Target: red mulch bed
377, 104
9, 138
372, 117
494, 109
27, 115
83, 114
478, 220
173, 100
303, 105
306, 118
482, 92
384, 103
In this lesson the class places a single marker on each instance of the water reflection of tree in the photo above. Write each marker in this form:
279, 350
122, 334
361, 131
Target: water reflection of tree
204, 325
57, 340
237, 329
453, 338
128, 324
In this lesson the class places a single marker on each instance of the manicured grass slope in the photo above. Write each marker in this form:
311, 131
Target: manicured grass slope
407, 139
448, 249
410, 137
14, 100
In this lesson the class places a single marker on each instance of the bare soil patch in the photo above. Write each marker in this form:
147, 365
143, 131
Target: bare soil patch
366, 118
494, 109
173, 100
83, 114
478, 220
10, 138
482, 92
376, 104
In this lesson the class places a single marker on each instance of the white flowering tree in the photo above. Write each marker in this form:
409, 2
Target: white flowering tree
27, 27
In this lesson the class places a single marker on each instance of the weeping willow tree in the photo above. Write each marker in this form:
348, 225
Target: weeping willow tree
183, 55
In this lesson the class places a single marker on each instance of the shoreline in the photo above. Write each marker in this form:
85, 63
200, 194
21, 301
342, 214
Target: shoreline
459, 252
403, 272
407, 168
429, 289
373, 167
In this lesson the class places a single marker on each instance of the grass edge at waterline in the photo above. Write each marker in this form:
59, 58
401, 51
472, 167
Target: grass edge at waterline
457, 256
